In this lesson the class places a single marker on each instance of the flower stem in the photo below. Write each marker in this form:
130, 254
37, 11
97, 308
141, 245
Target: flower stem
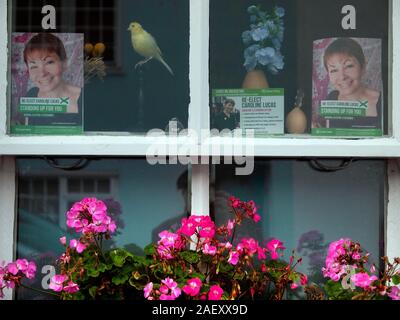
40, 291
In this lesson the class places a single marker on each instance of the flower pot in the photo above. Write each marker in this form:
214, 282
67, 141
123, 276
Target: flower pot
255, 79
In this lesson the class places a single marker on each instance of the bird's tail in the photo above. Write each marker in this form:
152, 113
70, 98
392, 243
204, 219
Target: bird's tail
165, 65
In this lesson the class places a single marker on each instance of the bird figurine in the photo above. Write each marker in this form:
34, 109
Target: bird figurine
145, 45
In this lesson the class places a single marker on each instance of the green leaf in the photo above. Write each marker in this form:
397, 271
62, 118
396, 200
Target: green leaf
119, 256
120, 279
138, 281
335, 291
190, 256
201, 276
396, 279
92, 272
92, 292
149, 250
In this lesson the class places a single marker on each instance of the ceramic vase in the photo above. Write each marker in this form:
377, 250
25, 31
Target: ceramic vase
255, 79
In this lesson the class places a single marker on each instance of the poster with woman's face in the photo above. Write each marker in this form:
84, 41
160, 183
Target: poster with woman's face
47, 79
347, 90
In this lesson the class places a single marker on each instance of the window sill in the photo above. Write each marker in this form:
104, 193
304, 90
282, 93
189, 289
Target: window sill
134, 145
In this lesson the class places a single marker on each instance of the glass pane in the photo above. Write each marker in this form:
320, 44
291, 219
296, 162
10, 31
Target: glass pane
52, 186
88, 185
38, 186
24, 186
143, 200
74, 185
103, 186
281, 58
306, 208
112, 83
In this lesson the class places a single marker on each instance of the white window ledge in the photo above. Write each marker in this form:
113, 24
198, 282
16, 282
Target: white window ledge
141, 146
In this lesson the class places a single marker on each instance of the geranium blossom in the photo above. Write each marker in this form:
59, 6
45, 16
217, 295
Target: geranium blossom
199, 259
233, 257
77, 245
394, 293
148, 290
71, 287
363, 279
169, 289
273, 246
215, 293
168, 244
57, 282
90, 216
209, 249
13, 273
193, 287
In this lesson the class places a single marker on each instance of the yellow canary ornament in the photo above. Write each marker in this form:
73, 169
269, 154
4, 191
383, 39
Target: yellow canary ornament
145, 45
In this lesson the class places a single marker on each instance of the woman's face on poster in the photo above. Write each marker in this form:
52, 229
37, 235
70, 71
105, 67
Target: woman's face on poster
345, 73
45, 70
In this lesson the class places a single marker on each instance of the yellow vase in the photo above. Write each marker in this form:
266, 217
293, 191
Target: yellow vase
255, 79
296, 121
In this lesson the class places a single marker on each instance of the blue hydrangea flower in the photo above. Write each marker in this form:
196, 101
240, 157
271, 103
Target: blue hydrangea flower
252, 10
265, 55
250, 58
246, 37
264, 39
259, 33
276, 43
280, 12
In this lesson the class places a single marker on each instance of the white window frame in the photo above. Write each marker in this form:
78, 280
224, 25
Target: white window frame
133, 145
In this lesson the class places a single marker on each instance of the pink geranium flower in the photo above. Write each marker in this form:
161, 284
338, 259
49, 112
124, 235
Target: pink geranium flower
273, 246
209, 249
215, 293
77, 245
90, 216
57, 282
188, 227
147, 290
169, 289
63, 240
303, 279
394, 293
71, 287
233, 257
362, 279
294, 286
12, 268
193, 287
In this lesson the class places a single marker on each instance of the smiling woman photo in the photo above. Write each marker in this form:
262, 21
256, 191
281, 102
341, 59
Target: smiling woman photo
345, 63
46, 60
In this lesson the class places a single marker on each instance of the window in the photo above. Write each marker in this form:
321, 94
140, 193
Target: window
290, 45
40, 196
308, 208
206, 54
143, 200
113, 86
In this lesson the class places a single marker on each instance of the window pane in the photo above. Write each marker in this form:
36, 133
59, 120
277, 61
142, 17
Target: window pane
307, 209
74, 185
88, 185
52, 187
288, 48
24, 186
107, 89
143, 200
103, 185
38, 186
